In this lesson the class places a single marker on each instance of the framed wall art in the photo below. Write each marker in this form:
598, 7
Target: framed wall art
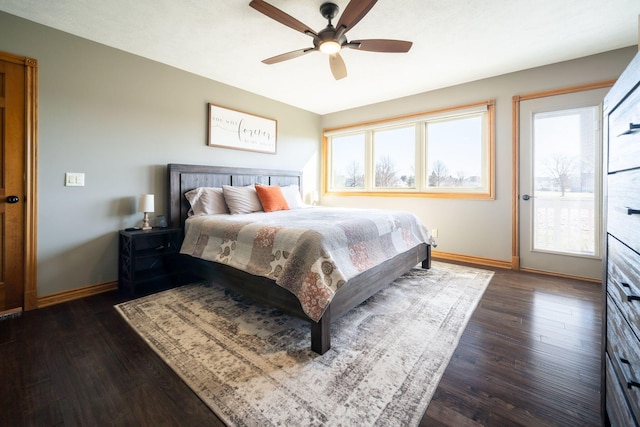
235, 129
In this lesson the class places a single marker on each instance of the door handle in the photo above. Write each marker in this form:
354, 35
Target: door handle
13, 199
526, 197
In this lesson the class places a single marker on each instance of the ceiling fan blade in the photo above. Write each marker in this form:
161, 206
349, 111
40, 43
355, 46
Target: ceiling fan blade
288, 55
283, 18
338, 68
381, 45
353, 13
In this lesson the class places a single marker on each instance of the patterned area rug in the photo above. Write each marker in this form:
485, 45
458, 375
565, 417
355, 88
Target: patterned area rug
252, 364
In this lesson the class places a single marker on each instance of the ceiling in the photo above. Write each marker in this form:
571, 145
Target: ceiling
454, 41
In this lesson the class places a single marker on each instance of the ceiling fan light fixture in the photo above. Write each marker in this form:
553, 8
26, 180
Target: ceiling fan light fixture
330, 47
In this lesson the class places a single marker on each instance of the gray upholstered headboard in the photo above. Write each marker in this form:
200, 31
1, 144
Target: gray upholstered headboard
183, 178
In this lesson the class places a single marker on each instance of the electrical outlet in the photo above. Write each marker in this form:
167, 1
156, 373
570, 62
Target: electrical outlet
74, 179
434, 232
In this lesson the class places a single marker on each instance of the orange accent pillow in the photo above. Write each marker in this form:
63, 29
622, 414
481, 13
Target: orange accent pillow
272, 198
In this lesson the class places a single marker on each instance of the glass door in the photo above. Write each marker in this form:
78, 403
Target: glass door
560, 184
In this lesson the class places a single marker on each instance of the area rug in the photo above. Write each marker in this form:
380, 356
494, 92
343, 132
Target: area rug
252, 365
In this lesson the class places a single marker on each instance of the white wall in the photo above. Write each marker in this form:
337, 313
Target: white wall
473, 227
120, 119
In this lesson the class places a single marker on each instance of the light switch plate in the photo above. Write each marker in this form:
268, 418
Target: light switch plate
74, 179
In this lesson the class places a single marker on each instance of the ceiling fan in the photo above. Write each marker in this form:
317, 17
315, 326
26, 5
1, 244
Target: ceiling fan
331, 39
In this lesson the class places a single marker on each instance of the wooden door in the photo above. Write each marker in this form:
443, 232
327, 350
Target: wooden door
17, 161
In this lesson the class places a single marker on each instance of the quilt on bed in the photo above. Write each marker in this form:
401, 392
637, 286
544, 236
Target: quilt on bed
311, 252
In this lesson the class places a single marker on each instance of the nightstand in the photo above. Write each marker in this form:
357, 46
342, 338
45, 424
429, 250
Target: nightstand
148, 259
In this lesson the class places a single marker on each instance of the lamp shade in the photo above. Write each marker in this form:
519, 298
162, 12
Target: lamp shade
146, 204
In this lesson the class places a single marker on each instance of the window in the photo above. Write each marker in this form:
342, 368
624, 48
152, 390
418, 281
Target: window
445, 153
565, 176
348, 162
394, 158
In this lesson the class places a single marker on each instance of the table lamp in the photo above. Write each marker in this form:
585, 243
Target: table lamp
146, 205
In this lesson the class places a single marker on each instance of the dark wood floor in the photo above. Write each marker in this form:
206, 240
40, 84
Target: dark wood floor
529, 356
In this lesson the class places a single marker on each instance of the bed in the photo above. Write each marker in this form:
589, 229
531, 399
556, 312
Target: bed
359, 287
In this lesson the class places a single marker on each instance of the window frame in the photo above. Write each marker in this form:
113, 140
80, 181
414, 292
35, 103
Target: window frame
419, 120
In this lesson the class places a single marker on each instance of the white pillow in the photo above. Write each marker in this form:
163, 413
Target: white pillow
292, 195
241, 199
206, 201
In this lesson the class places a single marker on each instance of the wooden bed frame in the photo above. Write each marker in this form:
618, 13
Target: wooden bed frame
183, 178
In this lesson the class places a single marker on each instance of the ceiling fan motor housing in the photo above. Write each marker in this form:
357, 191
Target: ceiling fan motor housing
328, 34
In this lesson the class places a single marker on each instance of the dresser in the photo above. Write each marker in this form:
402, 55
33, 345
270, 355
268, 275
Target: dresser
621, 281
